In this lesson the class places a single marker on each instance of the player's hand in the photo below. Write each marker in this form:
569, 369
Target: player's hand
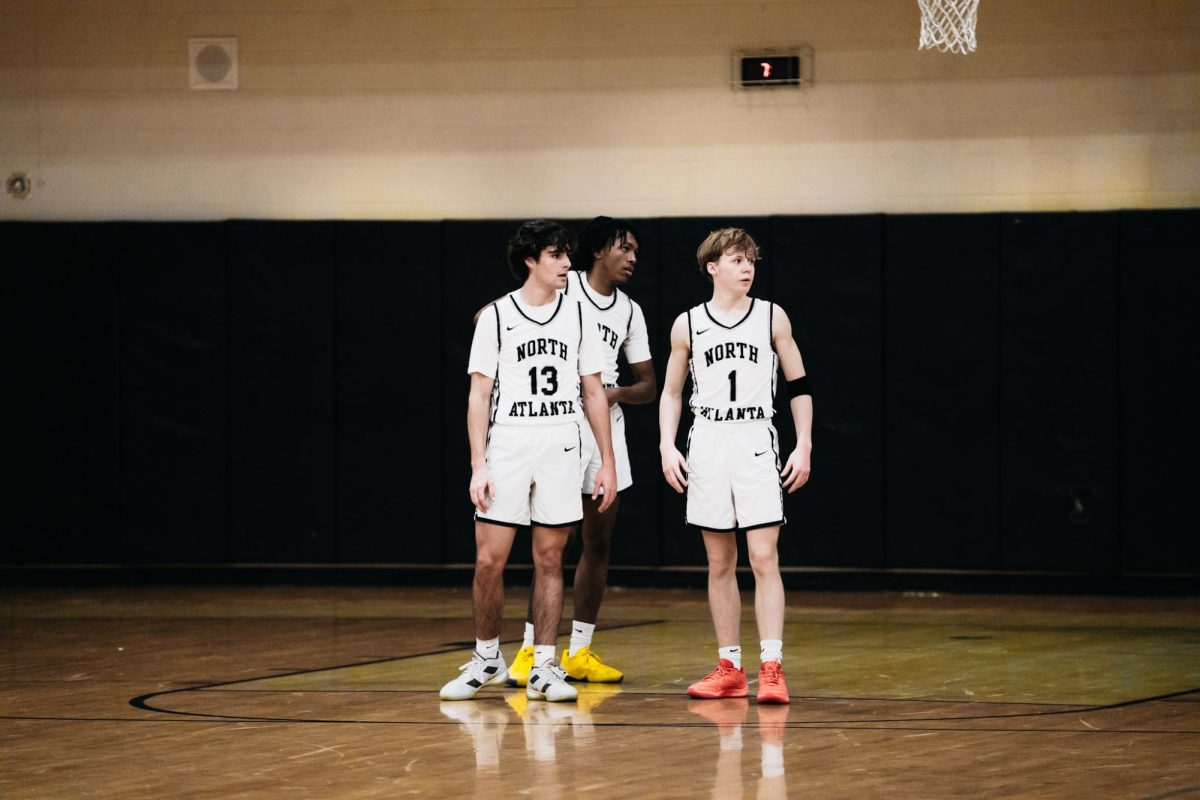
482, 490
675, 469
795, 472
606, 480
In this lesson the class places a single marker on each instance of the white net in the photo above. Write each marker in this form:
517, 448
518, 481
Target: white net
948, 25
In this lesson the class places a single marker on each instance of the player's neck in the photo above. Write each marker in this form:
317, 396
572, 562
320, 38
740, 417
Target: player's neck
731, 301
599, 284
534, 294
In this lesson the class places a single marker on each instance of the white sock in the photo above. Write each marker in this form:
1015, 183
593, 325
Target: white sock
528, 640
733, 654
488, 648
543, 654
581, 635
772, 650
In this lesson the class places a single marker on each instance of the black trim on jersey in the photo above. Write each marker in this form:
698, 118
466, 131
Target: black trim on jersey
692, 355
629, 322
734, 325
499, 344
517, 306
587, 292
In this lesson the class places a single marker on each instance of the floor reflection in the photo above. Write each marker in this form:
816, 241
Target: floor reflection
729, 716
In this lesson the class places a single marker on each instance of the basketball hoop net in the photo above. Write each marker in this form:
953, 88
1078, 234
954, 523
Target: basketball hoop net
948, 25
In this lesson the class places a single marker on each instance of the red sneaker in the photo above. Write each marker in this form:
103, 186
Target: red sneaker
724, 681
772, 688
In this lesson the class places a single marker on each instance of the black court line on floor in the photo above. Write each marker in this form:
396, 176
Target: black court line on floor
140, 701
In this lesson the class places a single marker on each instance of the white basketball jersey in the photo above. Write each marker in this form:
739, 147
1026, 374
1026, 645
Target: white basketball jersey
619, 320
538, 363
733, 367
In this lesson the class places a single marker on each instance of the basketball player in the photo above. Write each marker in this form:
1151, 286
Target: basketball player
536, 355
609, 249
733, 346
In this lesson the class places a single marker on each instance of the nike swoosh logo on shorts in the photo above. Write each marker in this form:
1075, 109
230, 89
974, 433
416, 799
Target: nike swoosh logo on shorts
568, 449
756, 455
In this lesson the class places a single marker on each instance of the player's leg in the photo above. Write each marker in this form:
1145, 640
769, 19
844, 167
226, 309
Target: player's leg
580, 661
546, 680
555, 508
724, 601
762, 546
759, 501
710, 507
493, 542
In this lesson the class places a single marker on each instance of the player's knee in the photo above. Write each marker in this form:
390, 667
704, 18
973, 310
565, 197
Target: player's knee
764, 559
488, 565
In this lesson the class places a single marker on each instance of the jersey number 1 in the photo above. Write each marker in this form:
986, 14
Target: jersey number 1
551, 376
733, 386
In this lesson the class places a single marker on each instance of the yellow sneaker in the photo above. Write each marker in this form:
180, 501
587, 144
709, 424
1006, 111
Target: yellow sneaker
587, 666
518, 670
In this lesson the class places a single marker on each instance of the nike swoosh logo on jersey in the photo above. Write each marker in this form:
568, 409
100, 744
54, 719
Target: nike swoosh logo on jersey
703, 331
510, 327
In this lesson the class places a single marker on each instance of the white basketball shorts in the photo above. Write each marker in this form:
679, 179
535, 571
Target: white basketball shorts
535, 472
734, 483
591, 453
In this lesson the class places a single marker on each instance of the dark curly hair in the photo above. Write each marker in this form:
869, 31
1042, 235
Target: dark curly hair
598, 234
531, 239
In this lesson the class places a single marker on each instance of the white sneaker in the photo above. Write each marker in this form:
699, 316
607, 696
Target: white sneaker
549, 682
473, 676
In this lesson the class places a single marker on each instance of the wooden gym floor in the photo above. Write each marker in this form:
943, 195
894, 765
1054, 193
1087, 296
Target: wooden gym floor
226, 692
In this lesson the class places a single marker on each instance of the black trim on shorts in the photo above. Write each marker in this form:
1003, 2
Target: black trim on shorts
496, 521
780, 523
707, 528
558, 525
755, 527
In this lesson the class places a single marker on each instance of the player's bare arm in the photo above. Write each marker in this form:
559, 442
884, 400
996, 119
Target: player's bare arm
643, 389
479, 399
595, 406
483, 308
799, 464
670, 406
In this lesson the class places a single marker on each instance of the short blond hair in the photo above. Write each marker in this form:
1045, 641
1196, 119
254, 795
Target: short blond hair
721, 241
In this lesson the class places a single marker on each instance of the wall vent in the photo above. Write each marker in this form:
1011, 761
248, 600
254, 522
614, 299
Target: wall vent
213, 63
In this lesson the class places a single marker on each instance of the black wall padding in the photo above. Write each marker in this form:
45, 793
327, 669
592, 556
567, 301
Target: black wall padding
174, 497
683, 285
1058, 391
940, 298
59, 309
390, 391
827, 277
1160, 329
476, 274
281, 395
636, 538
